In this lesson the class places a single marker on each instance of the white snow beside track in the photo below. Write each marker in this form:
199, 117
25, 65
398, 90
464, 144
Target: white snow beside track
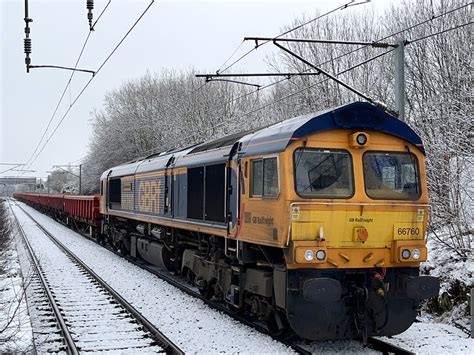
433, 338
187, 321
15, 326
195, 327
95, 321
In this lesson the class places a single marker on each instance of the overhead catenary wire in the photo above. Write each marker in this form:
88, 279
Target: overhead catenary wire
220, 70
233, 53
319, 82
90, 80
59, 102
291, 94
345, 54
340, 73
11, 169
440, 32
100, 15
434, 17
68, 84
220, 124
326, 79
342, 7
308, 87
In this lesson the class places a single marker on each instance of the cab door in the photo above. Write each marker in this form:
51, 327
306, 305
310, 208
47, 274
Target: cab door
168, 195
233, 192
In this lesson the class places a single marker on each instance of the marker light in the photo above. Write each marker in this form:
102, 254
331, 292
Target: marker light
308, 255
416, 254
320, 255
361, 139
406, 254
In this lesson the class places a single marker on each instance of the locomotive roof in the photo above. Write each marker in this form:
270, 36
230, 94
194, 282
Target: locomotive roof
356, 115
277, 137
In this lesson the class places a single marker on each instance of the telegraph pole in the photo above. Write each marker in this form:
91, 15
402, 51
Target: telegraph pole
80, 179
399, 59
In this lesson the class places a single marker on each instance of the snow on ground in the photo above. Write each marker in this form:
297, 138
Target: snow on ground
187, 321
432, 338
456, 275
84, 305
15, 326
197, 328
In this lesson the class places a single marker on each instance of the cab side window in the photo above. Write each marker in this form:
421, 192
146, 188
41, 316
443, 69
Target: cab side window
264, 182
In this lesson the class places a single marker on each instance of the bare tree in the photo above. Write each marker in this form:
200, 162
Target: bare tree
440, 108
170, 109
158, 113
64, 180
438, 91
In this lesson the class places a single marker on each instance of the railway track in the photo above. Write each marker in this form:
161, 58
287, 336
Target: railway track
89, 315
373, 343
296, 344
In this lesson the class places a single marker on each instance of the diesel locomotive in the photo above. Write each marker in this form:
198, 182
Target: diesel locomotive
315, 224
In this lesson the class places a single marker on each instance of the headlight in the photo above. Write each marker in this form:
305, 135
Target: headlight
320, 255
406, 254
415, 254
308, 255
361, 139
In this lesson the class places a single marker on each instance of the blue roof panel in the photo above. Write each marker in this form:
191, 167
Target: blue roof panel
356, 115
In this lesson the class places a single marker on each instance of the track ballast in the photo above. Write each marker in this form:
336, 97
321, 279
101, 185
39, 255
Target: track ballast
300, 347
89, 314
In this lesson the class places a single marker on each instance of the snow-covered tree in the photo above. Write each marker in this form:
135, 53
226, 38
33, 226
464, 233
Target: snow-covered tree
163, 111
438, 79
159, 112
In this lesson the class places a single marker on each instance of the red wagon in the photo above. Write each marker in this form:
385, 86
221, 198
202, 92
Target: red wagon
83, 208
80, 208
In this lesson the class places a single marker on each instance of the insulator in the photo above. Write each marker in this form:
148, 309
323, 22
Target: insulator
27, 43
90, 7
379, 45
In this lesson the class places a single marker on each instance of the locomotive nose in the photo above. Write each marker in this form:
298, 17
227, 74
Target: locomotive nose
422, 287
320, 290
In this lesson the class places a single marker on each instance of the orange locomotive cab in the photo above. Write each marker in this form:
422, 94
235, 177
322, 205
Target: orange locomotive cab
372, 204
350, 211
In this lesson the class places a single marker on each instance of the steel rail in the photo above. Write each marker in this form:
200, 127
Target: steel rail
387, 348
159, 337
71, 347
218, 307
375, 343
186, 288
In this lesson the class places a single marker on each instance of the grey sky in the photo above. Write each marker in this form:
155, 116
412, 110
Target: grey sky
173, 35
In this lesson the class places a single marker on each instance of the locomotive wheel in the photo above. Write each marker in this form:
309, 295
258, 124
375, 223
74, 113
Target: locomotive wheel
207, 291
189, 275
277, 324
122, 250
